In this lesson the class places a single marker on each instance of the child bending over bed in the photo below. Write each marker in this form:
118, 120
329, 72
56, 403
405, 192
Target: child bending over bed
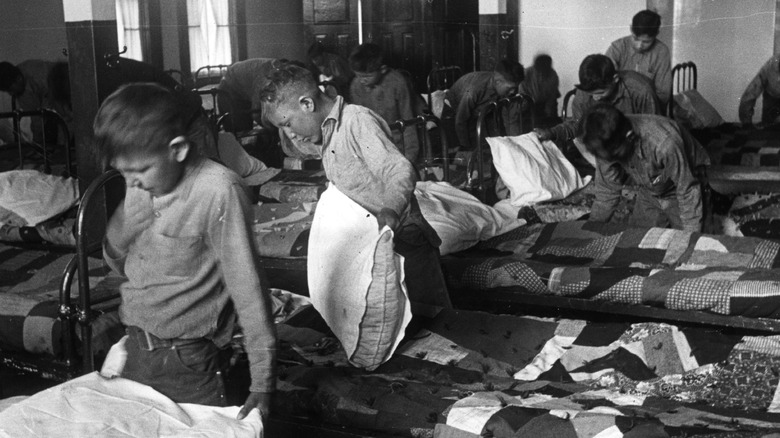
183, 239
361, 160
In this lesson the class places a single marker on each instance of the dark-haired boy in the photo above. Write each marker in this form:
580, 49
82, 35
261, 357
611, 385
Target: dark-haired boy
474, 90
652, 155
385, 91
628, 91
361, 160
182, 237
643, 53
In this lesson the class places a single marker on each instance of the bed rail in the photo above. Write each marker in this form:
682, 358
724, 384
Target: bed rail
421, 125
567, 98
685, 76
42, 147
441, 78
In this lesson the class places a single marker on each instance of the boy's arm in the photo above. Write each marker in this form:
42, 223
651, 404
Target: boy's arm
663, 79
687, 186
607, 192
749, 97
131, 217
406, 111
233, 241
463, 115
384, 160
567, 129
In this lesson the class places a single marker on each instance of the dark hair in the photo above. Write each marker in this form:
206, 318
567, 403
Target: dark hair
543, 63
512, 71
315, 49
8, 75
646, 22
605, 128
140, 117
367, 57
596, 72
283, 76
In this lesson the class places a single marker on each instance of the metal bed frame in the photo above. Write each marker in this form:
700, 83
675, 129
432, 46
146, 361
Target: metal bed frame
73, 314
45, 114
427, 159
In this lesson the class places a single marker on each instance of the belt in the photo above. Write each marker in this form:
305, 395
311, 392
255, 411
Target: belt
149, 342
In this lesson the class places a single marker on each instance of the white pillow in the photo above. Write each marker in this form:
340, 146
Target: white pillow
459, 218
35, 196
356, 281
533, 171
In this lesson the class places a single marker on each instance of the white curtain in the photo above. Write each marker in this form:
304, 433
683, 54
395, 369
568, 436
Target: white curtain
209, 33
128, 28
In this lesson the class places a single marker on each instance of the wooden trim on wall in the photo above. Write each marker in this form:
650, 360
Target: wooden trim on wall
238, 31
184, 36
151, 32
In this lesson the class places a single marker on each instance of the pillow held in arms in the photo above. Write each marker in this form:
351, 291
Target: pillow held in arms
459, 218
533, 171
356, 281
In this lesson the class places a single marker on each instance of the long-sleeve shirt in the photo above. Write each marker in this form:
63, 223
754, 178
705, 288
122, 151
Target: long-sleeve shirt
634, 95
467, 96
766, 82
390, 98
361, 160
543, 88
655, 63
662, 164
197, 256
244, 79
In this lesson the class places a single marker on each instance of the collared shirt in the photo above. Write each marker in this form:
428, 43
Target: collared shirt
543, 88
361, 160
634, 95
391, 99
655, 63
197, 256
662, 164
766, 82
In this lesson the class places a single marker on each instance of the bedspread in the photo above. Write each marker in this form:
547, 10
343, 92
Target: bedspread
661, 267
468, 374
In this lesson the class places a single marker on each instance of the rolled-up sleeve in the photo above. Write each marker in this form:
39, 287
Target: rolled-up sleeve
608, 192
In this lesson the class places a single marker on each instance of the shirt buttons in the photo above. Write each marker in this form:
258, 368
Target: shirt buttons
157, 213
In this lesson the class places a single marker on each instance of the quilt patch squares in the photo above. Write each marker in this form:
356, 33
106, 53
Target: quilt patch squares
597, 249
699, 294
516, 273
765, 254
755, 298
659, 238
628, 290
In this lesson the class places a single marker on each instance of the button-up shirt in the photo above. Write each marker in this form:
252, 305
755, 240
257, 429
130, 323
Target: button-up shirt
766, 82
195, 258
634, 95
655, 63
361, 160
662, 164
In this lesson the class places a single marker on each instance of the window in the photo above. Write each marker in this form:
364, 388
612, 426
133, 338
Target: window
128, 28
209, 32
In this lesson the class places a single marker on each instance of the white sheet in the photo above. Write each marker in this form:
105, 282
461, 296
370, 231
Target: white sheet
35, 196
92, 405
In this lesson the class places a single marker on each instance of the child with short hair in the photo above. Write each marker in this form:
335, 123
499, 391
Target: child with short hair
363, 163
182, 237
385, 91
471, 92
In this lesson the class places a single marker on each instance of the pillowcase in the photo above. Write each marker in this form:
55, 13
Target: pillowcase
459, 218
692, 110
356, 280
533, 171
35, 196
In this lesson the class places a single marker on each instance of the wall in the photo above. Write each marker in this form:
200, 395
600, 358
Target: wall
570, 30
728, 41
31, 29
275, 29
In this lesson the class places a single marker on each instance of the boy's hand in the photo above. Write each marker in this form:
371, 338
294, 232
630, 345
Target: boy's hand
132, 216
543, 134
259, 400
389, 217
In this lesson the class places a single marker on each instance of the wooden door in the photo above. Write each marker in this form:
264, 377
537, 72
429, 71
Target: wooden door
333, 23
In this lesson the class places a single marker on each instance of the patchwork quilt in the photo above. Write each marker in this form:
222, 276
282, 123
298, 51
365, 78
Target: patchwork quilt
604, 261
467, 374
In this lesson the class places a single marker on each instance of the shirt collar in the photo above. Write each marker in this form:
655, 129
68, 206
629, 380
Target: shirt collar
335, 113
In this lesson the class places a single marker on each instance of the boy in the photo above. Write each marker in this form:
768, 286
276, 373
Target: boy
765, 84
182, 238
364, 164
629, 91
330, 67
385, 91
238, 91
643, 53
652, 154
541, 83
476, 89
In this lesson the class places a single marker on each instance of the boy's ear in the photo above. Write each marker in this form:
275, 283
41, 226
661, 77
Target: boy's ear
180, 148
307, 104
